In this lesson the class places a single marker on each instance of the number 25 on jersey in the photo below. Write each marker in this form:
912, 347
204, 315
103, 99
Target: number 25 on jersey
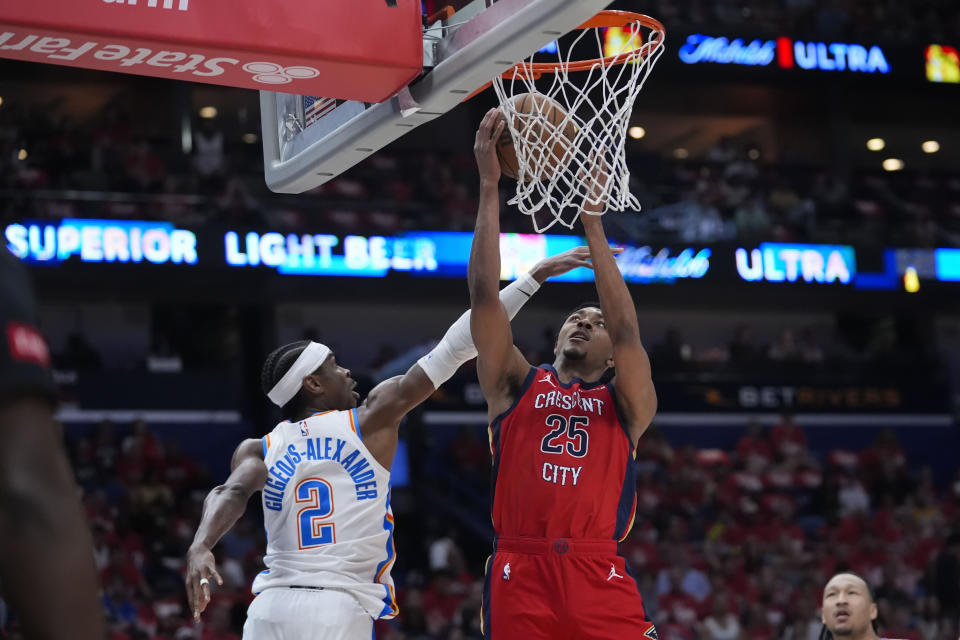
315, 497
567, 434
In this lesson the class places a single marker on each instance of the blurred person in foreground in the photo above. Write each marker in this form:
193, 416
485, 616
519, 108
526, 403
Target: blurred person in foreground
46, 553
946, 584
848, 609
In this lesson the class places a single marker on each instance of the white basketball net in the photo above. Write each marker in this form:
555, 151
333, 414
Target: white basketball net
599, 102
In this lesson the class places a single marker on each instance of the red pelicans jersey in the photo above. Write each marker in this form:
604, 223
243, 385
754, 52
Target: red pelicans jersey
562, 462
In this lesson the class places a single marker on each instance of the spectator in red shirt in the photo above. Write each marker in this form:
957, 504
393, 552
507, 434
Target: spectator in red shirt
682, 607
728, 532
106, 448
443, 596
218, 625
900, 624
869, 555
754, 448
178, 470
123, 568
653, 447
414, 618
781, 529
641, 553
650, 495
788, 439
471, 456
687, 489
674, 630
756, 625
899, 581
143, 439
722, 623
736, 579
884, 452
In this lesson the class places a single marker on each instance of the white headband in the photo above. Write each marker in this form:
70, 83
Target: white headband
309, 360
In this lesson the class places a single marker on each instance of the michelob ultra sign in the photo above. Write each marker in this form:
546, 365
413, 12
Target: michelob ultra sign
785, 53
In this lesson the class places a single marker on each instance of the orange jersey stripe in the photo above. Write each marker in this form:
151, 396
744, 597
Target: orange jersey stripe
353, 424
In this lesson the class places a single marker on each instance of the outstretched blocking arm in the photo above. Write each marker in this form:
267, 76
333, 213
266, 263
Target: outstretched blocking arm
500, 365
636, 396
221, 509
390, 400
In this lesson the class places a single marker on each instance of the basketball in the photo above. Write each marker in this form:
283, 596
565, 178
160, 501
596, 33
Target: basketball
537, 120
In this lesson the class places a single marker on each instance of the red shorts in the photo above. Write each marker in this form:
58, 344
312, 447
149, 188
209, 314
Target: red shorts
562, 590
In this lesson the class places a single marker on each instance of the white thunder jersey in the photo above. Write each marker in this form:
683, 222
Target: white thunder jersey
326, 509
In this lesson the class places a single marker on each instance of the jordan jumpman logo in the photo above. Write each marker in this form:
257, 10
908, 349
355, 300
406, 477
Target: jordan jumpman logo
613, 574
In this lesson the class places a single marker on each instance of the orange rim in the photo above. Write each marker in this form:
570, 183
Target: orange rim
606, 18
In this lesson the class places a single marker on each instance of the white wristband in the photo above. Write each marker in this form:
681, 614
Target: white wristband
517, 293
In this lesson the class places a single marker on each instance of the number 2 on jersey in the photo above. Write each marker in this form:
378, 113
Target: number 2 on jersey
577, 436
317, 495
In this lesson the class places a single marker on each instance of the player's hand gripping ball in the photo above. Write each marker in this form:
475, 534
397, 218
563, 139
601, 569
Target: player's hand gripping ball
545, 131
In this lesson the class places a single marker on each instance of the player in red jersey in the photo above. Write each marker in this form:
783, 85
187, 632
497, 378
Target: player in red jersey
564, 491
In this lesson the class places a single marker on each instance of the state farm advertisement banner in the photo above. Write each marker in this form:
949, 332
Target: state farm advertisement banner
359, 50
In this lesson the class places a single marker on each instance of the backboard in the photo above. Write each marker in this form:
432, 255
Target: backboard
308, 140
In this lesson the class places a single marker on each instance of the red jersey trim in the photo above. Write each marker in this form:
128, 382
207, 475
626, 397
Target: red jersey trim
583, 383
493, 432
524, 387
627, 504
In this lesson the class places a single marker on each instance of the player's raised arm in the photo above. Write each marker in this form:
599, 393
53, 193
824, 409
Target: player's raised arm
635, 392
390, 400
500, 365
222, 508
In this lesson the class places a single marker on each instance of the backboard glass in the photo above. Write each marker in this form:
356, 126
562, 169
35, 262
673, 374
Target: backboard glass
309, 140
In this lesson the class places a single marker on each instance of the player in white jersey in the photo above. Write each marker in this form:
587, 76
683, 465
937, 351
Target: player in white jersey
324, 474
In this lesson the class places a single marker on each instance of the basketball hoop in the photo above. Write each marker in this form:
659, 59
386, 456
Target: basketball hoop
598, 102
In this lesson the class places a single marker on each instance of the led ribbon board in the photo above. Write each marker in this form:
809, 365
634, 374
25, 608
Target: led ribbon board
810, 263
101, 241
441, 254
445, 254
786, 52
